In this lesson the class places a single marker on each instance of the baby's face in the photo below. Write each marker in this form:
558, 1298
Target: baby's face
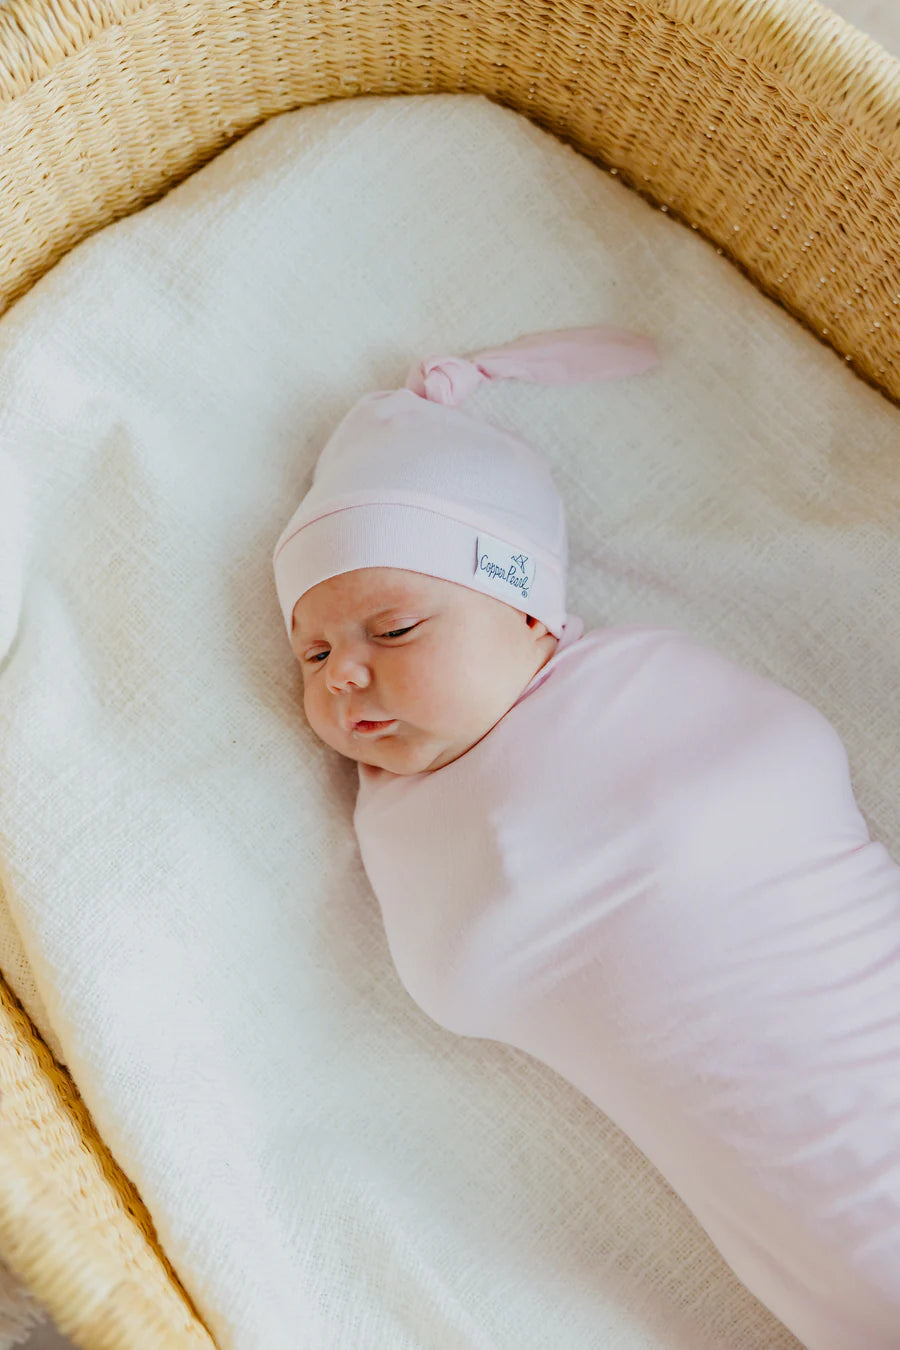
442, 685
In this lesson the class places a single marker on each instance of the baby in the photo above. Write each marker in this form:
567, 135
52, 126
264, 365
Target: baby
619, 850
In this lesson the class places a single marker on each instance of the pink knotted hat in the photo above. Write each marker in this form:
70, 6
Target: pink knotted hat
408, 480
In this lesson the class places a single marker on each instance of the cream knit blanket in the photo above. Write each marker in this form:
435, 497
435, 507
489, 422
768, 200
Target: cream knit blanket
187, 909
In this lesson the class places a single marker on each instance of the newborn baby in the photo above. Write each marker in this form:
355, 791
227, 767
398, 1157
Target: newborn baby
618, 850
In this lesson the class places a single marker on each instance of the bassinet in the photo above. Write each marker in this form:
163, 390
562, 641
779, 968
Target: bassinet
769, 125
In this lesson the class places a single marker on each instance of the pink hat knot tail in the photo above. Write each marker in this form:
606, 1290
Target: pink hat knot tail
563, 356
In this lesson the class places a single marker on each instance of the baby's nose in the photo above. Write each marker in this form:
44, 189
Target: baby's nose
347, 673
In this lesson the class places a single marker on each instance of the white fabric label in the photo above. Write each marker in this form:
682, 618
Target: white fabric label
508, 572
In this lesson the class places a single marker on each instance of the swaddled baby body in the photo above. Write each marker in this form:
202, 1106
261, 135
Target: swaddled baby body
643, 864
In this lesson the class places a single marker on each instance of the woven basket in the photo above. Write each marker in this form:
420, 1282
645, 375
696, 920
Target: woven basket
769, 125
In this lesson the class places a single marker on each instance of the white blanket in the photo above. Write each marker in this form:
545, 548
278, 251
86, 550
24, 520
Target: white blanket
324, 1165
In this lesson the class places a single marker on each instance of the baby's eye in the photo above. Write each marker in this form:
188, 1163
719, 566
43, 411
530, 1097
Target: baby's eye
396, 632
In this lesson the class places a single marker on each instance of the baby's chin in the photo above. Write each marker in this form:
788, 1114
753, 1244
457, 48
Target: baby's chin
404, 754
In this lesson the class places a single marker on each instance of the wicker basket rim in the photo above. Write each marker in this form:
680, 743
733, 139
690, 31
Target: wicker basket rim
835, 65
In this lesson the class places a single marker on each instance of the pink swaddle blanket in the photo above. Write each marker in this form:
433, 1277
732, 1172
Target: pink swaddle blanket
652, 876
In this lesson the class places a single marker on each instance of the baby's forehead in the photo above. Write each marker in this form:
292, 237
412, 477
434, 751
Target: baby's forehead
378, 583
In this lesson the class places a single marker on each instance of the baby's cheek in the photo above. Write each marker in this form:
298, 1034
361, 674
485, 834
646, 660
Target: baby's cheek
436, 697
411, 689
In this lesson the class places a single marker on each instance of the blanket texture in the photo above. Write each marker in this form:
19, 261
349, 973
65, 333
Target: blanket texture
324, 1165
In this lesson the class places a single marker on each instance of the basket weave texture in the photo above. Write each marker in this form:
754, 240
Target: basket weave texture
770, 126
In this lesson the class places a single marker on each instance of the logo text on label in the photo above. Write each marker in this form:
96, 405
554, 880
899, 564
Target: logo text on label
504, 567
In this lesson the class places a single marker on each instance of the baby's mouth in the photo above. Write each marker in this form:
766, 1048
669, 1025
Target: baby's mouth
370, 728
